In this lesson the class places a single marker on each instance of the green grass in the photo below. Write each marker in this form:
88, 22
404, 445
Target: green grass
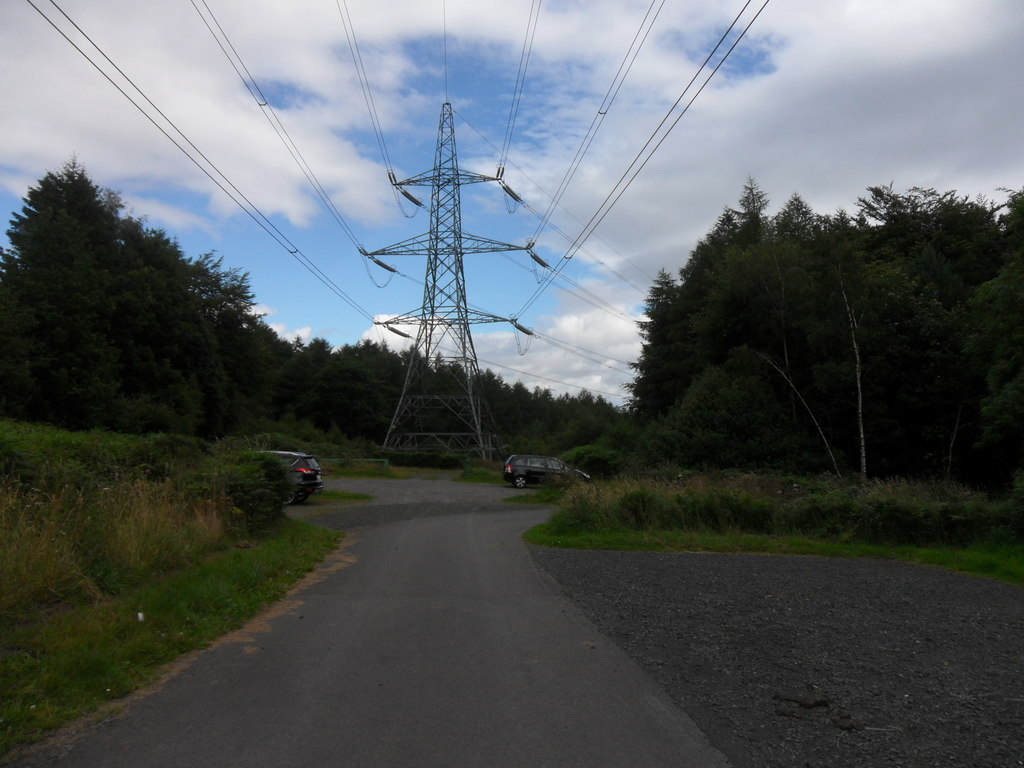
1005, 563
380, 469
937, 524
73, 662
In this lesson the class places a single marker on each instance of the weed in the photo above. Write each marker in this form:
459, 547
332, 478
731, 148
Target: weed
57, 667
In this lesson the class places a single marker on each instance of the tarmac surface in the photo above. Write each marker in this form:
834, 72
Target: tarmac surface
432, 638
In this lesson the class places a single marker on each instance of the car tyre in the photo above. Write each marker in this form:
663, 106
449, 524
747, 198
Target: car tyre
292, 498
519, 481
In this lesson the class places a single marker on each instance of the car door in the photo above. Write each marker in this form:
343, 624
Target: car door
536, 469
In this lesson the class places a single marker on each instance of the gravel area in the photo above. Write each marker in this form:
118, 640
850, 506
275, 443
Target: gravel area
805, 661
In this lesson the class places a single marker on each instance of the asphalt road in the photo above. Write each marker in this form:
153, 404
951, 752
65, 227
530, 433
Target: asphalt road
430, 639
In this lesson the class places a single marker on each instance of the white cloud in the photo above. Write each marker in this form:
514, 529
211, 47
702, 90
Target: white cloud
830, 98
290, 334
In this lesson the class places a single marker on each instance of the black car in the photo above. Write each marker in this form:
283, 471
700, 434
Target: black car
303, 472
522, 468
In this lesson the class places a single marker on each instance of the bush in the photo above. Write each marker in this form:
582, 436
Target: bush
1015, 506
162, 455
594, 460
257, 486
893, 513
643, 509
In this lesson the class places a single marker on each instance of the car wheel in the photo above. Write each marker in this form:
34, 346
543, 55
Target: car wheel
292, 498
300, 498
519, 481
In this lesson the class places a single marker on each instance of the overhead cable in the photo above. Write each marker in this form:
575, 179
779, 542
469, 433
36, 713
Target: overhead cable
209, 169
233, 57
547, 378
651, 146
564, 235
517, 92
639, 38
371, 107
364, 81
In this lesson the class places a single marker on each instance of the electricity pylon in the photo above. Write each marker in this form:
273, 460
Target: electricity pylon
442, 406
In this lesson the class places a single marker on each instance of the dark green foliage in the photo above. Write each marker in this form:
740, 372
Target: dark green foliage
1015, 506
126, 333
161, 456
595, 460
891, 341
786, 341
105, 323
833, 510
15, 465
539, 421
353, 389
257, 486
728, 420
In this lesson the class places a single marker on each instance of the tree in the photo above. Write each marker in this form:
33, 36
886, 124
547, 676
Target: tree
125, 332
729, 419
997, 347
59, 274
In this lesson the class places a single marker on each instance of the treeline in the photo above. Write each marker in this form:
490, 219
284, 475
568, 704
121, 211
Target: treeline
106, 323
889, 341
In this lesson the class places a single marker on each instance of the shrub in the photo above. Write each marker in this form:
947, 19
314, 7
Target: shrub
582, 507
163, 455
890, 513
257, 486
594, 460
1015, 506
642, 509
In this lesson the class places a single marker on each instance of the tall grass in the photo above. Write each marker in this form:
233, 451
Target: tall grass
70, 545
54, 670
88, 514
879, 512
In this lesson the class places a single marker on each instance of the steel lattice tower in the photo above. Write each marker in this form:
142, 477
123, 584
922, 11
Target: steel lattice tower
442, 407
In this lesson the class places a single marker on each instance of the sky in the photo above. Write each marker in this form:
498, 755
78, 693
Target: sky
622, 160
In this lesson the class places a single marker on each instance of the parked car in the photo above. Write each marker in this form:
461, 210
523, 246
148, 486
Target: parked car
522, 469
303, 472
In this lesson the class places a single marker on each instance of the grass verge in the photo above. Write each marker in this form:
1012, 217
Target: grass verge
1002, 563
57, 669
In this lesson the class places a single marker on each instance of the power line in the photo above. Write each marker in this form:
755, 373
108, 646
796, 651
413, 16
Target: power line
611, 270
650, 147
222, 39
548, 378
583, 353
364, 82
209, 169
371, 107
609, 98
579, 292
517, 93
